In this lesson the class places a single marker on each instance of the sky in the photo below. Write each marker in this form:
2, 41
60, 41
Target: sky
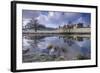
55, 19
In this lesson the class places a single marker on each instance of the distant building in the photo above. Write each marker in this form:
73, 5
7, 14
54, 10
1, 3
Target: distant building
72, 26
88, 26
79, 25
68, 26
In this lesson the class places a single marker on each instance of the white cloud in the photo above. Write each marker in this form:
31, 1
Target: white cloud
43, 19
80, 20
50, 14
25, 21
54, 16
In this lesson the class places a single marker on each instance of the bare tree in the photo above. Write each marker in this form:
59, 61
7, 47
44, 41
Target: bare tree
35, 25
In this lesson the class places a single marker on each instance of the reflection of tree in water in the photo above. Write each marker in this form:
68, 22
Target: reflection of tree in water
34, 37
34, 40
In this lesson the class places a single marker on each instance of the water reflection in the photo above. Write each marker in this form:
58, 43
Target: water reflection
55, 47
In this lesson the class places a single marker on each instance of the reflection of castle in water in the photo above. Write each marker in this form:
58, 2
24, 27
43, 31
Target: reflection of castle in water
69, 36
77, 37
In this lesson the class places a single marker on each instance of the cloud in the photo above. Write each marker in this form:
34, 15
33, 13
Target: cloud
55, 16
54, 19
25, 21
50, 14
79, 20
43, 19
